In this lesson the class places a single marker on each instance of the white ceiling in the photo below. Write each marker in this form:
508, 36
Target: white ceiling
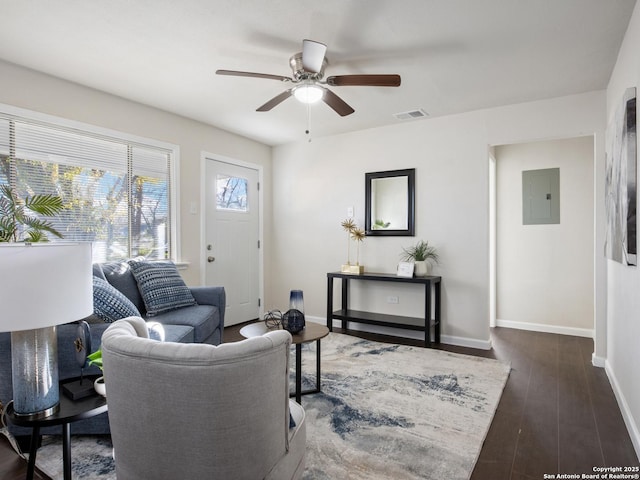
453, 55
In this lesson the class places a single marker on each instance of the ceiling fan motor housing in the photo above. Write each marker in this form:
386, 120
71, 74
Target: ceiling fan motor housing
299, 73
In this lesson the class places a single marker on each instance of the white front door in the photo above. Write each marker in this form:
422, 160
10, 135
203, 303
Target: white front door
231, 237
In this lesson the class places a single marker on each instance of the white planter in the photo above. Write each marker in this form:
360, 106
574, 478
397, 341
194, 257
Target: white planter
421, 268
100, 387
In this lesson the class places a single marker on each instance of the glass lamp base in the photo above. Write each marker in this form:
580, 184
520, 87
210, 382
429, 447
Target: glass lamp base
34, 363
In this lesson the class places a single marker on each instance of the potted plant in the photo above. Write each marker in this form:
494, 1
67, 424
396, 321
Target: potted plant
96, 359
423, 255
17, 215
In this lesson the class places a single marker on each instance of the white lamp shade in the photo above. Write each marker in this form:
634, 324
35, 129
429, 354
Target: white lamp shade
44, 284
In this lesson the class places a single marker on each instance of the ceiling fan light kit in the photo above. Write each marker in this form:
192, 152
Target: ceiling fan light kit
307, 73
308, 93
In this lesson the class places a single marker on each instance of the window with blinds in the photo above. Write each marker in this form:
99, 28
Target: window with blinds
116, 192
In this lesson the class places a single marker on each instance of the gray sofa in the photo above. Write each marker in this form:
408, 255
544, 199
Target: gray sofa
200, 323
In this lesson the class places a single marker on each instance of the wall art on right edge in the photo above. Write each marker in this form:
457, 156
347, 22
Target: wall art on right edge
621, 177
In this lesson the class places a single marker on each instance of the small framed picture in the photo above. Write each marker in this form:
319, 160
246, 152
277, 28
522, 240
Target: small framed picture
405, 269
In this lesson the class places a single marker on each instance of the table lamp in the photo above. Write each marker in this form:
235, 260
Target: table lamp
41, 285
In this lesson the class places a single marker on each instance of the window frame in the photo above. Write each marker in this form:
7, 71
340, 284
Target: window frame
131, 140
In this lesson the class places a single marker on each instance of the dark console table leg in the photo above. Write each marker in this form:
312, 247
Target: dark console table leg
437, 313
330, 303
345, 301
427, 314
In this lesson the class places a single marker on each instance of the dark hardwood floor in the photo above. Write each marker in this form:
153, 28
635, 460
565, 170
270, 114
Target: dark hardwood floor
557, 414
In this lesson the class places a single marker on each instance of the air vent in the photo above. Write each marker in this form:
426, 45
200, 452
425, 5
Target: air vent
419, 113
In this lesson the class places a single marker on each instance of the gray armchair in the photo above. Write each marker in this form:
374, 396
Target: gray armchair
201, 411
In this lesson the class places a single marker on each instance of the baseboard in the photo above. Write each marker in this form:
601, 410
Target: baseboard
412, 334
629, 421
541, 327
466, 342
598, 361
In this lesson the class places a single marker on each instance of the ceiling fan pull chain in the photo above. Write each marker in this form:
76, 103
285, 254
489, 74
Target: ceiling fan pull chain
308, 130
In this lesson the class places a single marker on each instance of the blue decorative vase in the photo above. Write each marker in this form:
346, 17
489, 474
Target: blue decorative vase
296, 301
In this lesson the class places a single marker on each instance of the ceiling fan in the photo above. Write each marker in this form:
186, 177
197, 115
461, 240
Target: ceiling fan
308, 70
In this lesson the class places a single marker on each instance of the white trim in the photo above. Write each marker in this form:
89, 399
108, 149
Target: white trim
493, 252
128, 137
401, 332
541, 327
598, 361
467, 342
627, 416
204, 156
174, 194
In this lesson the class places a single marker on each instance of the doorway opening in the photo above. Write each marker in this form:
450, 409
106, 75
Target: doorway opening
542, 275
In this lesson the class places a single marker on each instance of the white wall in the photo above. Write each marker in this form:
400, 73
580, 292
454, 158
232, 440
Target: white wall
545, 272
316, 182
623, 359
35, 91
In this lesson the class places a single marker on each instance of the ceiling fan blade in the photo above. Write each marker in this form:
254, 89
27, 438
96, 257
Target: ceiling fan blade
313, 55
236, 73
335, 102
277, 100
364, 80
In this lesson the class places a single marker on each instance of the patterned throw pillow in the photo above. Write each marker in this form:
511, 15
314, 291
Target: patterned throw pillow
110, 304
161, 286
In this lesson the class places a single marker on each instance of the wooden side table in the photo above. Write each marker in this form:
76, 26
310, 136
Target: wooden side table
70, 411
312, 332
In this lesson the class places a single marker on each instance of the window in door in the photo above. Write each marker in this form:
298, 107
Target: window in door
231, 193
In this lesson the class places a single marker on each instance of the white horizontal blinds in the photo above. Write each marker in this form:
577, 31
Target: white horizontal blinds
59, 145
150, 222
89, 172
4, 136
4, 151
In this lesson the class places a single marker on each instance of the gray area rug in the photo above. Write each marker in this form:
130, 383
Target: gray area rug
385, 412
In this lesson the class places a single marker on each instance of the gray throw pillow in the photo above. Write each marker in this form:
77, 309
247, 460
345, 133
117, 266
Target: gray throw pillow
110, 304
161, 286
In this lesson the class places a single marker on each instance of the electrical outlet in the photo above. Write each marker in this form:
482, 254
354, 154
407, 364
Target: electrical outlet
393, 299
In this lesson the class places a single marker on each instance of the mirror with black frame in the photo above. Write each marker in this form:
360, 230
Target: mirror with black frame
390, 203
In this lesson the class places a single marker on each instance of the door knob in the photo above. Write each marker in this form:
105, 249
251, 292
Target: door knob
211, 259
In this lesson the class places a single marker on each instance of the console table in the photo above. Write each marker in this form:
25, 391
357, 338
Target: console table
345, 314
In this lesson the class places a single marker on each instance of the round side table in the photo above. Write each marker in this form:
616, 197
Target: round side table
70, 411
311, 332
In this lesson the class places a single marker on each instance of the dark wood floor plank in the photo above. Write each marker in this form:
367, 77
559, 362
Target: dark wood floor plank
491, 470
502, 438
579, 449
537, 447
